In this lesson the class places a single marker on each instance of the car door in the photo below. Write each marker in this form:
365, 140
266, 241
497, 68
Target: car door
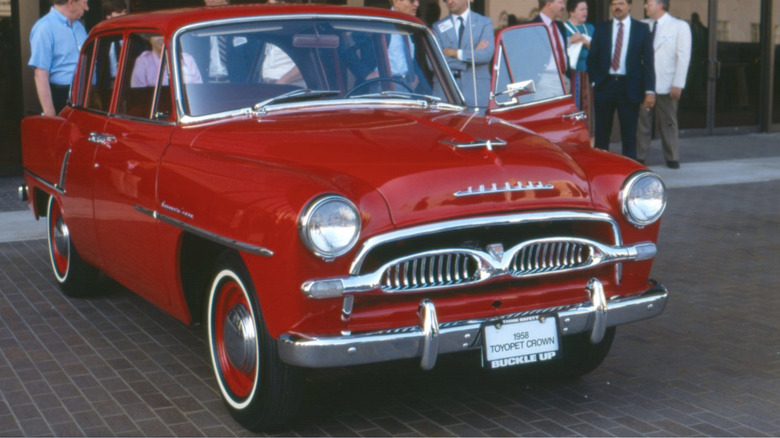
88, 116
126, 164
528, 89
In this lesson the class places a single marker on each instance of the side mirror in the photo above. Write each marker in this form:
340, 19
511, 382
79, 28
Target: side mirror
522, 88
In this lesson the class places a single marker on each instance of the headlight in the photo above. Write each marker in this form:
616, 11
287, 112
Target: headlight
643, 198
330, 226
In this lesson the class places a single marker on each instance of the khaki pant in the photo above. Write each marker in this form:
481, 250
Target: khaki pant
665, 111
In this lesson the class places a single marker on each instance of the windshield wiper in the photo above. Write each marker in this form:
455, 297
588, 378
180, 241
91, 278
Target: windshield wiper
292, 96
402, 94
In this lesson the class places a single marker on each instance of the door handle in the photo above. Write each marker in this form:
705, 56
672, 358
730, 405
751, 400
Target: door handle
102, 139
578, 116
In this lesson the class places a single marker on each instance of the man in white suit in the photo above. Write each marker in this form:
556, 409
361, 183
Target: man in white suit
467, 37
672, 47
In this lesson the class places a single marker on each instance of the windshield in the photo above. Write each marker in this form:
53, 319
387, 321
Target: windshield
246, 64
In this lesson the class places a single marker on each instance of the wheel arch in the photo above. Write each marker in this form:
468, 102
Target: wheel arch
197, 257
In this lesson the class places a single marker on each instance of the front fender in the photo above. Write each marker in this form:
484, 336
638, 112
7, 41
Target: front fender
258, 205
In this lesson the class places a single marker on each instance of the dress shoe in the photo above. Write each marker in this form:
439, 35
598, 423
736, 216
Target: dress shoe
673, 164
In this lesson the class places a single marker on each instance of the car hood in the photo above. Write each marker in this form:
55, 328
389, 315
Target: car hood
425, 163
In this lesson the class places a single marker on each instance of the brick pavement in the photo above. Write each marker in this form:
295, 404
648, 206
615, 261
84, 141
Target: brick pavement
710, 365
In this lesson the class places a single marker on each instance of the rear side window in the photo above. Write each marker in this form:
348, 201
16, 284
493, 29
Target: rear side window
145, 91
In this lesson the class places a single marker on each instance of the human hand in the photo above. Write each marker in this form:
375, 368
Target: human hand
675, 93
482, 45
449, 51
649, 102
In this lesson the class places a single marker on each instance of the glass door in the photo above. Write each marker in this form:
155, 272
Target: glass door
776, 71
692, 113
723, 89
738, 63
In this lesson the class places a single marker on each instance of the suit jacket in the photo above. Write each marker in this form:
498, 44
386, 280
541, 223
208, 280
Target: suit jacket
640, 72
562, 31
482, 29
672, 47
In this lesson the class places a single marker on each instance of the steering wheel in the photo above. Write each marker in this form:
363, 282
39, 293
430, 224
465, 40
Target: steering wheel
375, 80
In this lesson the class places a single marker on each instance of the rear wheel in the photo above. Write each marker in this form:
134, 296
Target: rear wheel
76, 278
260, 391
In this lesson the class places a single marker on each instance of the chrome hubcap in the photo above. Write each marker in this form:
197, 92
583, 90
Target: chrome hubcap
240, 339
61, 237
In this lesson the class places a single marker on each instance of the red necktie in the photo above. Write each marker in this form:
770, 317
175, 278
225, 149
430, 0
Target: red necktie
558, 48
618, 47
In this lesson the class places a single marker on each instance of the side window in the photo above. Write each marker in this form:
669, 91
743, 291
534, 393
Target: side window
103, 75
85, 68
525, 53
145, 67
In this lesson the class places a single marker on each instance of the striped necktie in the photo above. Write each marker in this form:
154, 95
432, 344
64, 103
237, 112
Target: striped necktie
618, 47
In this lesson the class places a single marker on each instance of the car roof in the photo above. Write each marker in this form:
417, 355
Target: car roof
168, 20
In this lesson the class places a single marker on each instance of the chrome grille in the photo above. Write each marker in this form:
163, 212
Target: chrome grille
550, 256
433, 270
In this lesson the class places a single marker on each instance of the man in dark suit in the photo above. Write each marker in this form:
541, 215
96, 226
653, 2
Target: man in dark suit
620, 65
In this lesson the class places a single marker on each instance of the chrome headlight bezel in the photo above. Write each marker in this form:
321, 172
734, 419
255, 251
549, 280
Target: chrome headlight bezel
636, 188
310, 218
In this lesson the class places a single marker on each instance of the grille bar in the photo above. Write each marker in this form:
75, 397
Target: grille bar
430, 271
551, 256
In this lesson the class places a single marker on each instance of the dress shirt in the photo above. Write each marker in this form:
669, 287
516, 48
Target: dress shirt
548, 23
626, 32
217, 68
397, 55
55, 44
465, 17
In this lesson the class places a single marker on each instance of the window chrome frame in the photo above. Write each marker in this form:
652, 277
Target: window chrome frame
184, 118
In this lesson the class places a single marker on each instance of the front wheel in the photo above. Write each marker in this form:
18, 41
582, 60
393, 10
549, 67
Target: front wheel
75, 277
260, 391
580, 356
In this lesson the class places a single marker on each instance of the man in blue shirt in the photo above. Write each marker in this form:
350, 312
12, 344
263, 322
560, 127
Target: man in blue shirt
55, 41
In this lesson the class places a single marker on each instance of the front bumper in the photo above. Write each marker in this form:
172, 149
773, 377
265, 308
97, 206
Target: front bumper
430, 338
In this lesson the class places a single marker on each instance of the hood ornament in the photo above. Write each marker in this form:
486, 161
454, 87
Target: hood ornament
480, 143
506, 188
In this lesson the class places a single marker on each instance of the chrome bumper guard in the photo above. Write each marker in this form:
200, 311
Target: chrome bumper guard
430, 338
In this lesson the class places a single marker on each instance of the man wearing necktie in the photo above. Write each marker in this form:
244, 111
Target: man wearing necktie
620, 65
468, 49
672, 48
549, 12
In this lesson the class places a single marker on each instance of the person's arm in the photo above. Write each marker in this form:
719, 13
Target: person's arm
648, 58
682, 61
44, 91
484, 41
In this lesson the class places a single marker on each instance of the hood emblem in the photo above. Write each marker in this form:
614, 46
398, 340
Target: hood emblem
506, 188
480, 143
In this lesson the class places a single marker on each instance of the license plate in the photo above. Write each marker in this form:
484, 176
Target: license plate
520, 341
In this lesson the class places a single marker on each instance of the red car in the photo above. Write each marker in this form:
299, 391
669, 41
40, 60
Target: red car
271, 172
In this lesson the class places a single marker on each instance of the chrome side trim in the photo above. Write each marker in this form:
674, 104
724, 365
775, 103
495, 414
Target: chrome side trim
53, 187
63, 169
232, 243
410, 342
513, 219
